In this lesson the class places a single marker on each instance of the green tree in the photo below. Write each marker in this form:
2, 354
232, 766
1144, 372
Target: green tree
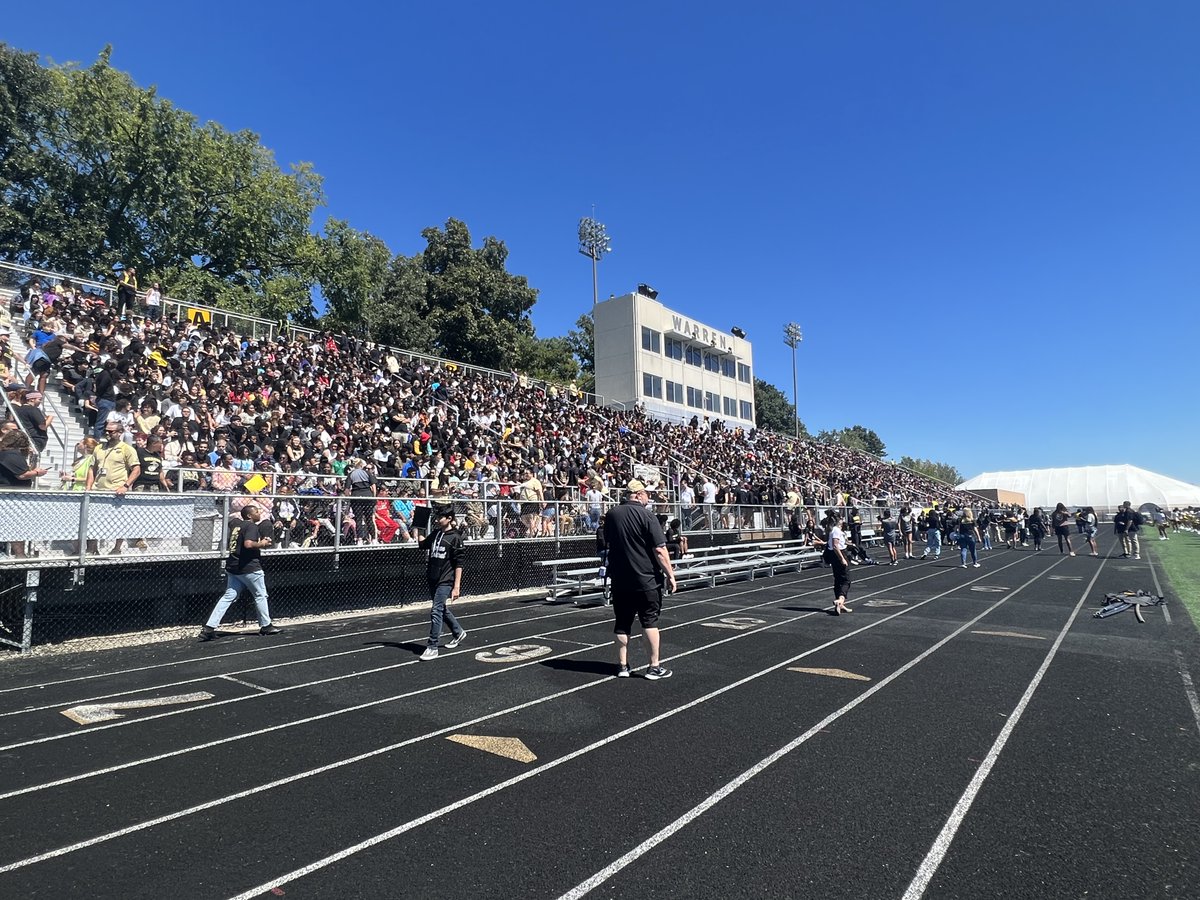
548, 358
857, 438
95, 170
773, 410
582, 341
352, 270
940, 471
457, 301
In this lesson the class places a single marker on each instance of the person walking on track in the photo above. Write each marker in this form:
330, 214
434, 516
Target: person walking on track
243, 571
638, 567
835, 555
444, 573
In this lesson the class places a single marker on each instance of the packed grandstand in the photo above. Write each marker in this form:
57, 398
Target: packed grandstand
292, 411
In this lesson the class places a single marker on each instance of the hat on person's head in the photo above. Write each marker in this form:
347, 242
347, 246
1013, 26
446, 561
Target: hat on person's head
33, 395
14, 386
634, 486
442, 512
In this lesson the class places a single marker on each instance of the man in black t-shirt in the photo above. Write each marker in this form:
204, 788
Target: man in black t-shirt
638, 567
443, 571
243, 571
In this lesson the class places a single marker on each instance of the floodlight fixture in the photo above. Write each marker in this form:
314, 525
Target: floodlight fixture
646, 291
737, 332
593, 243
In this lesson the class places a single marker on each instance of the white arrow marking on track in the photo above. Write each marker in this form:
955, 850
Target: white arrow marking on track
90, 714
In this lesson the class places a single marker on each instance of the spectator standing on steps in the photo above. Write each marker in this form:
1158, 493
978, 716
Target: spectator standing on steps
243, 571
639, 568
444, 574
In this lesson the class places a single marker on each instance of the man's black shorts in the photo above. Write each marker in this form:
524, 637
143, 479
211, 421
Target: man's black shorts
645, 605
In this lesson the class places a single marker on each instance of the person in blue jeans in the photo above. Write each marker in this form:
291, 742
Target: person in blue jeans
243, 571
933, 533
444, 573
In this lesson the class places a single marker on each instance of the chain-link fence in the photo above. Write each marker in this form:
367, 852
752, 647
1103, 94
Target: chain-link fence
94, 565
89, 564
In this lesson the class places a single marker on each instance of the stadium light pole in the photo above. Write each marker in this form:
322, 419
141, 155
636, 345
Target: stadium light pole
792, 337
593, 243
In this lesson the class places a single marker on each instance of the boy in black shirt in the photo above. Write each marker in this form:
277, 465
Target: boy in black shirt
444, 573
243, 570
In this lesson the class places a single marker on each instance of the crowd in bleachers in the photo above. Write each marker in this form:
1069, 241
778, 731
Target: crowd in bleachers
305, 411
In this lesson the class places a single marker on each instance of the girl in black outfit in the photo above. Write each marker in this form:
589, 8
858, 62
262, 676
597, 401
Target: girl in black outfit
1037, 527
1061, 520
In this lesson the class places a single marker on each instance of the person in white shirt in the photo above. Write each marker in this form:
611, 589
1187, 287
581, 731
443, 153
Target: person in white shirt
835, 555
709, 490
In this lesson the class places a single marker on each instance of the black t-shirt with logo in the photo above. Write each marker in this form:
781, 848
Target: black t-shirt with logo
151, 466
633, 533
242, 559
445, 555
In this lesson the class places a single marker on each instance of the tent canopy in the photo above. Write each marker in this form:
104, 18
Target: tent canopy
1104, 487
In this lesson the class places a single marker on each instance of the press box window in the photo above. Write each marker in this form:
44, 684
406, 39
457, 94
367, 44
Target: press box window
712, 402
651, 340
712, 362
728, 367
729, 406
674, 392
652, 386
747, 410
694, 356
673, 349
695, 397
743, 373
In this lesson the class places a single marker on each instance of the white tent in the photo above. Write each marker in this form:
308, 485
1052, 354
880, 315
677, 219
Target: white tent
1104, 487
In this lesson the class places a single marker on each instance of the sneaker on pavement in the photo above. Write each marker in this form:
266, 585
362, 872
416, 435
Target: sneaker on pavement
207, 634
654, 673
458, 639
622, 671
430, 653
1137, 556
268, 629
976, 565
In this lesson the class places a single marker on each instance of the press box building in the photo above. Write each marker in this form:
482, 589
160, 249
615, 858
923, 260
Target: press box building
672, 364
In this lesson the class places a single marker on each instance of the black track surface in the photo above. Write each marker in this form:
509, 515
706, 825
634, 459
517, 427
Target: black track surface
1056, 756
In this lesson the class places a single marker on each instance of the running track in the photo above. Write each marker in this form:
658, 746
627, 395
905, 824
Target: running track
995, 740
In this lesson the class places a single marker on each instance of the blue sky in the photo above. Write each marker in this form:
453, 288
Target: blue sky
985, 217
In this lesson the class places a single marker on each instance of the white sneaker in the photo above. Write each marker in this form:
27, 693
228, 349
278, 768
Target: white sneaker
430, 653
1137, 556
456, 641
976, 565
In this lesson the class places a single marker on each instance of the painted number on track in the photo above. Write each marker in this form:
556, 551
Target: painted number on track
989, 588
512, 653
737, 623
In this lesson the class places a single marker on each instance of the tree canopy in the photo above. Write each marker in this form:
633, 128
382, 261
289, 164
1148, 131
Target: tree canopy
857, 437
773, 410
941, 471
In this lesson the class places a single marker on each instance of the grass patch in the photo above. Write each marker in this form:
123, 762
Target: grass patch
1179, 559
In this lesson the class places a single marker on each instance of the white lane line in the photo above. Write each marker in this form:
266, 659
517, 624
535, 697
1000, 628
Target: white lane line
257, 687
603, 742
327, 715
171, 684
170, 817
294, 662
393, 666
268, 647
1189, 688
1159, 591
941, 845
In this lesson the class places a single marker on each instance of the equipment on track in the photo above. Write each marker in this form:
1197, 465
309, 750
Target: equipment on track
1135, 600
